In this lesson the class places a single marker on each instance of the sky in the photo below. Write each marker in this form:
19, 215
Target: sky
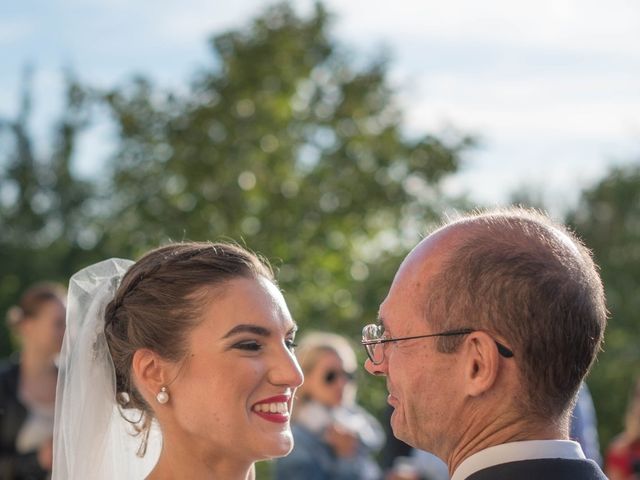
551, 88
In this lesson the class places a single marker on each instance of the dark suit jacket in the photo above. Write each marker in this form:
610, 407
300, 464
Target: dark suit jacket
542, 469
13, 465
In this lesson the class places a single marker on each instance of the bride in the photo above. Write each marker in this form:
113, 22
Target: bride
178, 366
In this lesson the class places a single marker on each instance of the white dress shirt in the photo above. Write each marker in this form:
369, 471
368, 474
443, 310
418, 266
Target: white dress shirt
516, 451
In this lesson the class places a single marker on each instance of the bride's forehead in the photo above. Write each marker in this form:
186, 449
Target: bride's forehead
248, 290
248, 300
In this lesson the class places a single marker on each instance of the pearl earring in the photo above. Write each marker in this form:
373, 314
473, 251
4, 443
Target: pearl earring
162, 396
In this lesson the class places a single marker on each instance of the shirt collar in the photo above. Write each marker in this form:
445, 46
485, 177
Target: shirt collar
516, 451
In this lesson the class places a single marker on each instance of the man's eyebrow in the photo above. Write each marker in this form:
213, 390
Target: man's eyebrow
248, 328
380, 322
293, 329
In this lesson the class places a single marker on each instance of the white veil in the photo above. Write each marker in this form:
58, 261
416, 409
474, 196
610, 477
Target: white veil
91, 439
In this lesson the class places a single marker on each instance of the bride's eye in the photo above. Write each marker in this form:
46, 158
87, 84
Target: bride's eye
248, 345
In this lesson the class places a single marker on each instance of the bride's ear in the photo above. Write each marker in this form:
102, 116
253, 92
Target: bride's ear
149, 373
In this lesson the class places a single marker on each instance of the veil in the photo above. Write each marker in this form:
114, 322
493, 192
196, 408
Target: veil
91, 439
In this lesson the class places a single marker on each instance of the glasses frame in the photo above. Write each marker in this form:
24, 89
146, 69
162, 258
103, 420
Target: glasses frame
502, 349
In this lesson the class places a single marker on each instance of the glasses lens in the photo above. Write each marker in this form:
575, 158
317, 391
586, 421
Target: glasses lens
371, 333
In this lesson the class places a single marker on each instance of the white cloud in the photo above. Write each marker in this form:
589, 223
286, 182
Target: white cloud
599, 105
202, 18
556, 171
575, 24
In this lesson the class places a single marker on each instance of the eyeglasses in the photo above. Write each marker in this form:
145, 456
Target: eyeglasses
373, 338
331, 376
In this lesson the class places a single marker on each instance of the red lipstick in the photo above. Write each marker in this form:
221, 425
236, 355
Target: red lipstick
273, 409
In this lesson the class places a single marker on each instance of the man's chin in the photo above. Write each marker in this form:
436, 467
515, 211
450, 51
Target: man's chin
399, 428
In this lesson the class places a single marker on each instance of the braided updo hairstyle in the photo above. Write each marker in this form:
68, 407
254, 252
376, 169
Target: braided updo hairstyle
160, 299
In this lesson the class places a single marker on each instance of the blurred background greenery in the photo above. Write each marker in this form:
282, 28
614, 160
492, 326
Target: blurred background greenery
290, 147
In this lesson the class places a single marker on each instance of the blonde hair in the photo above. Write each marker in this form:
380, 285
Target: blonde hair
313, 346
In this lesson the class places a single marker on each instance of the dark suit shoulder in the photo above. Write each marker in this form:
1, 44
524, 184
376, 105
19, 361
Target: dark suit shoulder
547, 469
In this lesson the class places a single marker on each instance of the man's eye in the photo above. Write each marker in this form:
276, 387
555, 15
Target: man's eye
291, 345
250, 345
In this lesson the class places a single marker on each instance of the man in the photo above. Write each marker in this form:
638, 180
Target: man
487, 332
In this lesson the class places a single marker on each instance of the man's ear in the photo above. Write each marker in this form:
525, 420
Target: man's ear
150, 372
482, 363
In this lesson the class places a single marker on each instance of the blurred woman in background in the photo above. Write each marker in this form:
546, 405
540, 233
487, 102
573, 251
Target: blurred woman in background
28, 383
623, 455
334, 437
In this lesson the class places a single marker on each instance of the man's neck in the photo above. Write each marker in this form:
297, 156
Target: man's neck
503, 430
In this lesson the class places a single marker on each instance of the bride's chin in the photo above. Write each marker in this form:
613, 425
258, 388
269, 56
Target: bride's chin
280, 447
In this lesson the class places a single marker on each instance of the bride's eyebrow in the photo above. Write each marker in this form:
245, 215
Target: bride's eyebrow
248, 328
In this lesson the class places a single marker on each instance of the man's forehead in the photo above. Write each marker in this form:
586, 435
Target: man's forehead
411, 280
431, 251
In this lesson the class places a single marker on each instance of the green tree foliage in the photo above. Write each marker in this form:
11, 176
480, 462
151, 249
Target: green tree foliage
41, 202
285, 145
608, 219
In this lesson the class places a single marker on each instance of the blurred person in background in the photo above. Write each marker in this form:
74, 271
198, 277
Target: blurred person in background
584, 425
28, 383
623, 455
335, 439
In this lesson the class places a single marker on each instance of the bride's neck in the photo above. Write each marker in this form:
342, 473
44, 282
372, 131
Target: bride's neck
179, 462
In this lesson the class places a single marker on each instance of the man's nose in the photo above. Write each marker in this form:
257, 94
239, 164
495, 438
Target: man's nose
374, 369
